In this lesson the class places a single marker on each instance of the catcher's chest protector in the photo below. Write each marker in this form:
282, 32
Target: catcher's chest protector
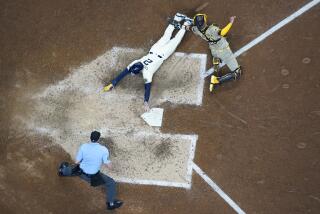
212, 33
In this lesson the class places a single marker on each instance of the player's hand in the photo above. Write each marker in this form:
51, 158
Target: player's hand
232, 18
146, 106
108, 88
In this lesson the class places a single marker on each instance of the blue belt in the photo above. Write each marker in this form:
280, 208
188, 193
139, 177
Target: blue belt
157, 55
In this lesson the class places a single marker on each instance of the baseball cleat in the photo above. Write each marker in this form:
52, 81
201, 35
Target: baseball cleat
175, 24
179, 17
213, 82
187, 22
211, 88
108, 88
116, 204
187, 19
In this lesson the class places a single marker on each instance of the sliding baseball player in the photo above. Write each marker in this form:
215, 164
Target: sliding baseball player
158, 53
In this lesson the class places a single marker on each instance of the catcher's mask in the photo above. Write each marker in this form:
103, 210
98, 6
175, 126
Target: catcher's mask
136, 68
200, 20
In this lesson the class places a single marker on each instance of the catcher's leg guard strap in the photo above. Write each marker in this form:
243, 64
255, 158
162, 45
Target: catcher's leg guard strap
216, 62
237, 73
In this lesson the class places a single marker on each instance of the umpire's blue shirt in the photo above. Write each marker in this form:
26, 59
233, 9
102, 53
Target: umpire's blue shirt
91, 156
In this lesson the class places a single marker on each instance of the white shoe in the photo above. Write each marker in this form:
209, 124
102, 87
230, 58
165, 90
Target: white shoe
188, 22
177, 25
179, 17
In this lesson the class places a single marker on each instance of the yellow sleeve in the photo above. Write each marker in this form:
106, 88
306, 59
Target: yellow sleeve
226, 29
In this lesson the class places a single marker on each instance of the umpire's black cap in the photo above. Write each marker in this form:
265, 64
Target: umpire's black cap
95, 135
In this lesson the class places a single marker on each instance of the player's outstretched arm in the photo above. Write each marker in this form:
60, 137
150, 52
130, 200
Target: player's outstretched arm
116, 80
147, 91
226, 29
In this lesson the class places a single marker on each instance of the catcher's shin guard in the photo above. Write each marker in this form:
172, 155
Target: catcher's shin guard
216, 62
235, 75
227, 77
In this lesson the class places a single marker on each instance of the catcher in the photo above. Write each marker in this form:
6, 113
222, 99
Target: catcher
219, 47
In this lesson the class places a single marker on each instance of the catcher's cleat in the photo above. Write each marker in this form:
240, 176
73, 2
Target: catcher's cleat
211, 87
108, 88
213, 82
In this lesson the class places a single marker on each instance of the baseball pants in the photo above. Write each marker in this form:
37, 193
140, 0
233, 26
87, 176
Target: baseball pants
110, 186
165, 46
227, 57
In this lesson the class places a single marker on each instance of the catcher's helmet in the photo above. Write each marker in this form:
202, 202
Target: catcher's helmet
136, 68
200, 20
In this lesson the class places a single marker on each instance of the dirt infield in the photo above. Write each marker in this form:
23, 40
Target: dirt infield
69, 110
258, 138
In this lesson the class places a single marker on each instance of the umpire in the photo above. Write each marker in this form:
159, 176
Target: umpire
89, 159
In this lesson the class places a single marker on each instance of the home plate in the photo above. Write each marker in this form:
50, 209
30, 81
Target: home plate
153, 117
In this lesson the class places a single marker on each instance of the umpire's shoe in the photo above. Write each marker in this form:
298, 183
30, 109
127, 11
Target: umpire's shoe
116, 204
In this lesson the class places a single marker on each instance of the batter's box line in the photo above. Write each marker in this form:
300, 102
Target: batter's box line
154, 182
187, 185
203, 64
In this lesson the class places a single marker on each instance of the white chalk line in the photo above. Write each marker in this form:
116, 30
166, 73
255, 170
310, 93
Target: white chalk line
188, 177
154, 182
266, 34
200, 86
217, 189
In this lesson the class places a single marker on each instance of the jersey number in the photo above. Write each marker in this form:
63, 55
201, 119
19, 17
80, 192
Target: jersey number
147, 62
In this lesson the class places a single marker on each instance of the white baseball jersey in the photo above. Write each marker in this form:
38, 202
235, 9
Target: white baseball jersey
151, 64
159, 52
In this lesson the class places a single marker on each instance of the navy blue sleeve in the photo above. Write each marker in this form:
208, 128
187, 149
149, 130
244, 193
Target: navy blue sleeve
147, 90
124, 73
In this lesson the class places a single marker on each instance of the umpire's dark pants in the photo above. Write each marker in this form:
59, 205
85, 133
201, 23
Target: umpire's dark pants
110, 185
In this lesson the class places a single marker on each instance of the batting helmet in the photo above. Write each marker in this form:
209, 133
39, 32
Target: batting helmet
136, 68
200, 20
